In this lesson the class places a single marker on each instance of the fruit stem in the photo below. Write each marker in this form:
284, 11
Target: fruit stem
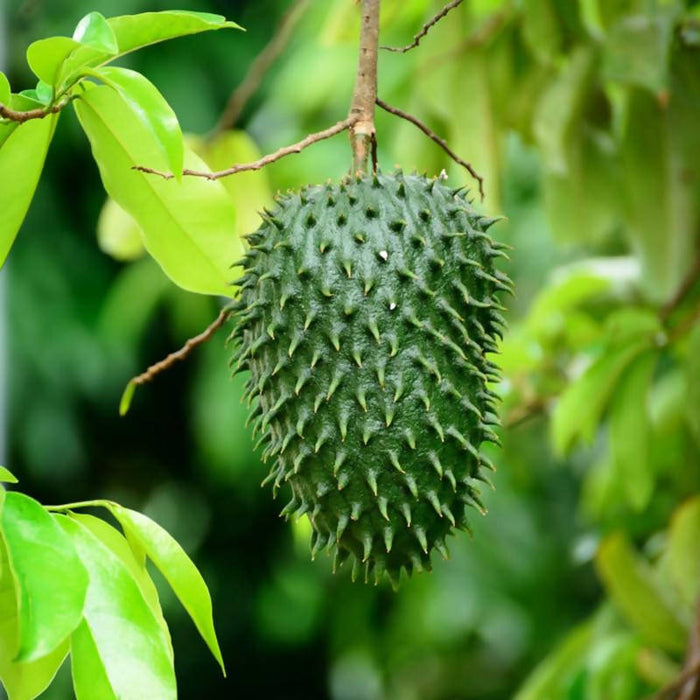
362, 133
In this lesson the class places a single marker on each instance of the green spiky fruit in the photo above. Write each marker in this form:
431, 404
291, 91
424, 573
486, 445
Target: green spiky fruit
366, 313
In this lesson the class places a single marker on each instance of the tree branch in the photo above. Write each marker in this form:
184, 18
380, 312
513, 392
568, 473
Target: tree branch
260, 66
440, 142
262, 162
362, 132
39, 113
183, 352
426, 28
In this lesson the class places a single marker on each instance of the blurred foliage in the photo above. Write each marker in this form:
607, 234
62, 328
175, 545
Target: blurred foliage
582, 580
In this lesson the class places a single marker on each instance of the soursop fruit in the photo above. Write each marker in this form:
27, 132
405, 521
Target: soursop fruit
366, 312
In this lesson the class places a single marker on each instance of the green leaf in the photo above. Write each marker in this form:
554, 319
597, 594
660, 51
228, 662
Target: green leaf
637, 50
90, 680
136, 564
51, 582
683, 552
552, 677
46, 57
21, 162
22, 680
136, 31
150, 107
187, 225
94, 30
559, 114
7, 476
249, 192
630, 431
118, 235
635, 592
582, 404
178, 569
129, 641
692, 368
5, 90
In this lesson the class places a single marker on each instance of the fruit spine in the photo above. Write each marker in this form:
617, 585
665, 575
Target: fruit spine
365, 315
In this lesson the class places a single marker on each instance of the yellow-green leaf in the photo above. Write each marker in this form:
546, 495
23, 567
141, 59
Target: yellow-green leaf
637, 594
188, 226
21, 161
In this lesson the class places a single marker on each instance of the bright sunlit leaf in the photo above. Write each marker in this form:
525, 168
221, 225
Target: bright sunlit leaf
51, 582
178, 569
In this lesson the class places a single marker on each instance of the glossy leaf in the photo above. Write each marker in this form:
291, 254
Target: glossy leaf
90, 681
5, 90
630, 431
135, 31
129, 641
46, 57
118, 235
94, 30
149, 106
7, 476
51, 582
178, 569
21, 162
136, 564
636, 593
22, 680
188, 226
683, 551
581, 406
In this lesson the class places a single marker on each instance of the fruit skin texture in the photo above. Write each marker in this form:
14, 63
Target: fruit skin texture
366, 312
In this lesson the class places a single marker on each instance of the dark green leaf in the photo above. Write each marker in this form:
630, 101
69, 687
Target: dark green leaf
552, 676
136, 31
94, 30
636, 593
21, 162
186, 225
7, 476
130, 643
150, 107
22, 680
51, 582
630, 431
178, 569
692, 369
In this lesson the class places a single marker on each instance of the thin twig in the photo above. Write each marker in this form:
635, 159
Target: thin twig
39, 113
183, 352
690, 690
480, 37
362, 132
440, 142
260, 66
682, 292
262, 162
670, 692
426, 28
